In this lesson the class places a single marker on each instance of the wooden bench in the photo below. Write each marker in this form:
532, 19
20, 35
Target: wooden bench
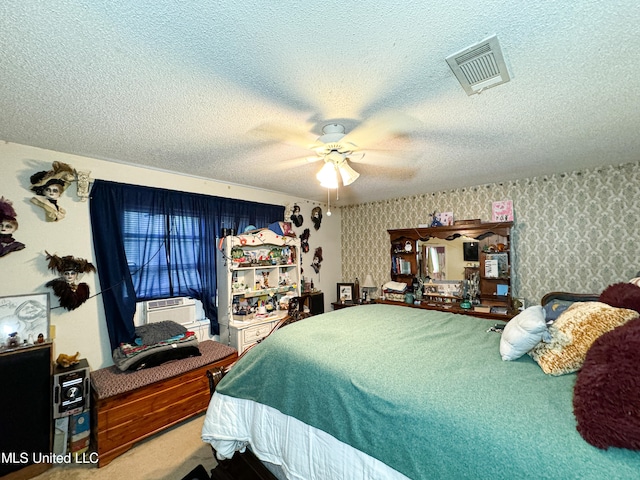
128, 407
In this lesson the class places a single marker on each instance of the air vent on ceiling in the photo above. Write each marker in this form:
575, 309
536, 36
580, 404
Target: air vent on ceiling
479, 66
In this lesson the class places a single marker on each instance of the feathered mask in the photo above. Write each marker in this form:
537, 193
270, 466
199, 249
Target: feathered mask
64, 264
70, 294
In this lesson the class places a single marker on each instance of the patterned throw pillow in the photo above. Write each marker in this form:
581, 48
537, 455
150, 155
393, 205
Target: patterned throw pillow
573, 333
554, 308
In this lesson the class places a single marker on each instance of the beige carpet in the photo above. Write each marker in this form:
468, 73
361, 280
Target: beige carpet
166, 456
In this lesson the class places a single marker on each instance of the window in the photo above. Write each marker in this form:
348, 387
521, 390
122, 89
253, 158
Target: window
154, 243
162, 253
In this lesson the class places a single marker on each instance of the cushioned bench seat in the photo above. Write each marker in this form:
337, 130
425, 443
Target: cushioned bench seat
130, 406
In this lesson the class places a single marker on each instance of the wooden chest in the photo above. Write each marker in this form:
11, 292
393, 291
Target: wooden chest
130, 406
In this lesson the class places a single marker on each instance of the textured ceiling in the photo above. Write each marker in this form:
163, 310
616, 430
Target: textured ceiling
181, 86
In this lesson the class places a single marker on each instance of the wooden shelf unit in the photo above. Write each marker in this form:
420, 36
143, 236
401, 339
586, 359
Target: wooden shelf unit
255, 267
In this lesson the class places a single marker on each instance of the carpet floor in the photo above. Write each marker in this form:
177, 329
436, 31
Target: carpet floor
169, 455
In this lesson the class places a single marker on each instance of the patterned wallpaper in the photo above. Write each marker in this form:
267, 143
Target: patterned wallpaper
575, 231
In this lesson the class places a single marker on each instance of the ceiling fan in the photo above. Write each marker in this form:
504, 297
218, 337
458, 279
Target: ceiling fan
337, 148
335, 152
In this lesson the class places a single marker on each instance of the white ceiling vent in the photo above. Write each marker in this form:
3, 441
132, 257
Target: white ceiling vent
479, 66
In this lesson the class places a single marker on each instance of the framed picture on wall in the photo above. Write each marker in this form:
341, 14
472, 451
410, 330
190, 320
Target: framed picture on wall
502, 211
24, 320
345, 292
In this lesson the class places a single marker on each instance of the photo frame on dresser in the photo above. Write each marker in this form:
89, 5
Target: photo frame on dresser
345, 292
24, 320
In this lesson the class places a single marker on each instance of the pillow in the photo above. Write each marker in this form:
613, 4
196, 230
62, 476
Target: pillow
554, 308
623, 295
523, 332
574, 332
606, 396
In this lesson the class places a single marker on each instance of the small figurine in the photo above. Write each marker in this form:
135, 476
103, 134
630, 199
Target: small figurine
13, 340
435, 221
66, 361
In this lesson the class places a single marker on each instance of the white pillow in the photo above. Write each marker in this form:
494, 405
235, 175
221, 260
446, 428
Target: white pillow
523, 332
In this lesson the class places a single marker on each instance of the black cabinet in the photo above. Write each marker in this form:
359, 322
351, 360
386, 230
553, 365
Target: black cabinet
314, 302
25, 411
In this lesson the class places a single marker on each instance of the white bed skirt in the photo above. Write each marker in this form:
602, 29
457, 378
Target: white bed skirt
301, 452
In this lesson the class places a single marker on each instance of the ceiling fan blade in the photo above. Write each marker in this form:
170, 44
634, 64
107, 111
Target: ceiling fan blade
382, 156
392, 173
380, 128
283, 165
286, 134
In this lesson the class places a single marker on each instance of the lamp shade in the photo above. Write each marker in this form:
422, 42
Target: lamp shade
348, 174
328, 176
368, 282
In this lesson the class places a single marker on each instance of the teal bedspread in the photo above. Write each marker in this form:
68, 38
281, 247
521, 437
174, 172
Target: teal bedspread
427, 393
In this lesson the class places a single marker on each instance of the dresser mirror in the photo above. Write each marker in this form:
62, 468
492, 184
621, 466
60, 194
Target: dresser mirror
442, 259
471, 261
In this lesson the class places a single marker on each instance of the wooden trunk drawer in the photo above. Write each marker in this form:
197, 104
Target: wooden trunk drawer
120, 421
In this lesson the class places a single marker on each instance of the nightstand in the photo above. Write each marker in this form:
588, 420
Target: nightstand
338, 305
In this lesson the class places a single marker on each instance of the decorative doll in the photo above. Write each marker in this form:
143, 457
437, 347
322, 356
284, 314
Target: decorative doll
66, 287
8, 225
317, 260
316, 217
304, 240
49, 186
296, 216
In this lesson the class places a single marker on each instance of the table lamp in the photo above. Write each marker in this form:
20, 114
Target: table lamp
367, 288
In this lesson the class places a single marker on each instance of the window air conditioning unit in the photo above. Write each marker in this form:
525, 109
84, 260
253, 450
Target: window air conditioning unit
180, 310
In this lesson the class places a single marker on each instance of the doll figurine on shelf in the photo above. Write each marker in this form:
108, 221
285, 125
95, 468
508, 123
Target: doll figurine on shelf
8, 225
66, 287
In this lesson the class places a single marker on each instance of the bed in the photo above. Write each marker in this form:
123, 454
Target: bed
392, 392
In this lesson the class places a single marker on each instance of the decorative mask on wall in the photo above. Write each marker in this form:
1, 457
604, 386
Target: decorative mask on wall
49, 186
304, 240
8, 225
66, 287
296, 216
316, 217
317, 260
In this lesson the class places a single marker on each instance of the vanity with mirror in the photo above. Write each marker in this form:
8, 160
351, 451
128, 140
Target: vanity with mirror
462, 268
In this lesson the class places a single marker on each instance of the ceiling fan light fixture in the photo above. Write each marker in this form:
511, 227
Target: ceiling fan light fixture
348, 174
328, 176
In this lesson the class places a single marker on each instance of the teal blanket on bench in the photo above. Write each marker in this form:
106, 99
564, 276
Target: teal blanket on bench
427, 393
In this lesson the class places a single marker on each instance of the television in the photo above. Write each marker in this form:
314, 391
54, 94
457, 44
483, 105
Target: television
470, 251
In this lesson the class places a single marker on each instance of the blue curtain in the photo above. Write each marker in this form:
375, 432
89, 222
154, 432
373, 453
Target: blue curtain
178, 234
